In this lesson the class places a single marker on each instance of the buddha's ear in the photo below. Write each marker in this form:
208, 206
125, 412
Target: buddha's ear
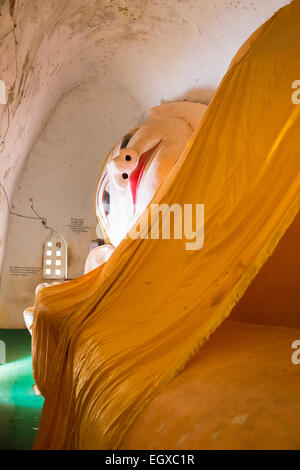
190, 112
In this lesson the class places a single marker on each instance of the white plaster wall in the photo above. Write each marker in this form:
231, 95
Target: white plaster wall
93, 69
61, 175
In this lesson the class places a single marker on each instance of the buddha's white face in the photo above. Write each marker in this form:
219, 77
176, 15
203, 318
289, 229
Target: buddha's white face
139, 163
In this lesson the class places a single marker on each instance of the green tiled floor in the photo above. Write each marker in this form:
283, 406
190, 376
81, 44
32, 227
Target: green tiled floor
20, 409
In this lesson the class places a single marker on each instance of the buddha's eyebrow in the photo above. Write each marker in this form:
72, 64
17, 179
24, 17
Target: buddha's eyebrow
127, 138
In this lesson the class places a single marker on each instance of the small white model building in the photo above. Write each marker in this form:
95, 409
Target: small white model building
55, 259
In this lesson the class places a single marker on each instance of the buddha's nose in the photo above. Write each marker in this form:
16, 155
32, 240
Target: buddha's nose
126, 160
122, 165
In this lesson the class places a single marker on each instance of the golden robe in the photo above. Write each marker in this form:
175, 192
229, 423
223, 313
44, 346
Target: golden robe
105, 344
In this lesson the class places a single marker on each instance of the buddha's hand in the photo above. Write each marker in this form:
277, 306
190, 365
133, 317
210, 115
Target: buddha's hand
42, 285
97, 257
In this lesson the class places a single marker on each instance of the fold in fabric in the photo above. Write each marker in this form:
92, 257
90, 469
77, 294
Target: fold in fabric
106, 343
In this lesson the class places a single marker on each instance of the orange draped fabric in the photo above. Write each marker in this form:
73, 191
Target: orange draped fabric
106, 343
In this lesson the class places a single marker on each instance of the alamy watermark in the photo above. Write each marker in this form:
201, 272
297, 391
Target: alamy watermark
161, 221
296, 354
296, 94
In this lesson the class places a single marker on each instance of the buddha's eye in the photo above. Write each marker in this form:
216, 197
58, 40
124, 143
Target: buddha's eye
125, 141
127, 138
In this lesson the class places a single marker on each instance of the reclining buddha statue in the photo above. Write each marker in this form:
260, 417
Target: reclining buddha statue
135, 168
131, 174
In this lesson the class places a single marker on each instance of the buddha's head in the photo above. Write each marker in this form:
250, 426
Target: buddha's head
139, 163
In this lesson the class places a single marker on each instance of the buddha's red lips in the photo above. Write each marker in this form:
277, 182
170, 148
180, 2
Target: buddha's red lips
136, 175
